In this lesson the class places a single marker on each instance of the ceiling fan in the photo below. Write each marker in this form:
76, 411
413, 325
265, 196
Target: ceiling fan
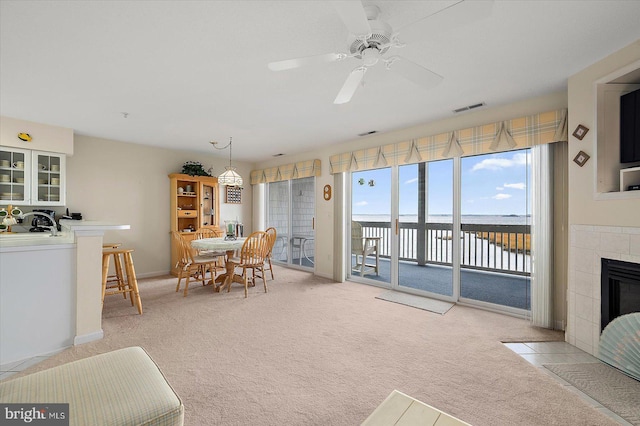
370, 38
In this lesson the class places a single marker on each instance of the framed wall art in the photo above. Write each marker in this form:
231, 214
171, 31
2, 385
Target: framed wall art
580, 131
581, 158
233, 195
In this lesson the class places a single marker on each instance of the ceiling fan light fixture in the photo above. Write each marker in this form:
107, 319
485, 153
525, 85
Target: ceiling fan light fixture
370, 56
381, 35
370, 38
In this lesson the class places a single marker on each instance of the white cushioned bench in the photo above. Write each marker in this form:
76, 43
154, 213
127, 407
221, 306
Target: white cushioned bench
401, 409
123, 387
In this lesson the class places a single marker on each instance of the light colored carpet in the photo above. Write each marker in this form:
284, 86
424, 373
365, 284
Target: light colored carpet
315, 352
424, 303
611, 388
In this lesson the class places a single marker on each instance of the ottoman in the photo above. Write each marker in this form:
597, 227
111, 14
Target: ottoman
123, 387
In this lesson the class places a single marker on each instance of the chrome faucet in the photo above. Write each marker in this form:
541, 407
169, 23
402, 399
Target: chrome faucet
53, 229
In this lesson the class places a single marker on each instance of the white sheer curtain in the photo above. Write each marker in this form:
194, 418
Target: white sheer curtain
542, 237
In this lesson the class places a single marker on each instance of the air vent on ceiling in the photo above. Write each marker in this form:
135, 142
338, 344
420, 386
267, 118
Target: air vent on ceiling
467, 108
367, 133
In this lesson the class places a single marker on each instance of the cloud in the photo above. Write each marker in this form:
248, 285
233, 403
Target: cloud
519, 185
501, 196
518, 159
499, 188
414, 180
361, 203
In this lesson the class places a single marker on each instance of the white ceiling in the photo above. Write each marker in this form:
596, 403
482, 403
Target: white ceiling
187, 72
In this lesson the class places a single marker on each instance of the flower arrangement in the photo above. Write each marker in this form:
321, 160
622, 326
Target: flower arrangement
194, 168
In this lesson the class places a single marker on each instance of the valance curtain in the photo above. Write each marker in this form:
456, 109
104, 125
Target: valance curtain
518, 133
301, 169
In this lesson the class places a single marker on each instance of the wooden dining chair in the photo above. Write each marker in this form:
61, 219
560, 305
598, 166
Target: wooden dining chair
272, 234
251, 261
207, 233
219, 255
190, 265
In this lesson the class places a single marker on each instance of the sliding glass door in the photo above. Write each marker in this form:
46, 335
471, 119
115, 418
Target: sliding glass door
370, 227
291, 210
279, 217
425, 227
495, 229
455, 229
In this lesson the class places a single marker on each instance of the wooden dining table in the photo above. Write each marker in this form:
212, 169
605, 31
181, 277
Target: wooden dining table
229, 246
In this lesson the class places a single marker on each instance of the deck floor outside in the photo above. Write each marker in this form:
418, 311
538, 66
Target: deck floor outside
503, 289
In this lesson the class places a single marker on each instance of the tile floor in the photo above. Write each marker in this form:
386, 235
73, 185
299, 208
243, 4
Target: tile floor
8, 370
540, 353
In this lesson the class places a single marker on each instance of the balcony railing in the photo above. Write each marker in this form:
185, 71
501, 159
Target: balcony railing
497, 248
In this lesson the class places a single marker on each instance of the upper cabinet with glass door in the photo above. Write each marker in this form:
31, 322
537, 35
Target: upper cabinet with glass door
35, 178
48, 179
15, 170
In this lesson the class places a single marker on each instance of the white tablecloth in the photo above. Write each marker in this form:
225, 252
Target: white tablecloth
217, 244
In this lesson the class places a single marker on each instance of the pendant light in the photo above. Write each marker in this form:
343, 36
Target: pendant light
230, 177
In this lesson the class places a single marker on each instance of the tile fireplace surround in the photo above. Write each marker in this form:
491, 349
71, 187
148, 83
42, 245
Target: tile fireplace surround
588, 244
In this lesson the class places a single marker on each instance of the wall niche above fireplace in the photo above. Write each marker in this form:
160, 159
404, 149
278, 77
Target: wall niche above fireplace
609, 89
620, 284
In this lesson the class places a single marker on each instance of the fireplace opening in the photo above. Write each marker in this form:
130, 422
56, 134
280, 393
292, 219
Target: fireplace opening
620, 284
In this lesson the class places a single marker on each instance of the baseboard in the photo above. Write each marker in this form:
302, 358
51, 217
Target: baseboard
153, 274
86, 338
328, 276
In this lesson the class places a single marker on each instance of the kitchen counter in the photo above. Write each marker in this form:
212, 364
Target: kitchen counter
51, 287
92, 225
27, 241
24, 241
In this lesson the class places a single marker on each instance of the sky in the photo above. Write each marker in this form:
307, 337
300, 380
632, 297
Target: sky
491, 184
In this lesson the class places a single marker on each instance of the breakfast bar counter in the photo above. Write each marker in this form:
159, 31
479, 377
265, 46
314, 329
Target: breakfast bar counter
50, 289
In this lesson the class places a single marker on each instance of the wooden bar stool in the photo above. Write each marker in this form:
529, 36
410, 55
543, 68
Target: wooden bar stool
127, 283
118, 276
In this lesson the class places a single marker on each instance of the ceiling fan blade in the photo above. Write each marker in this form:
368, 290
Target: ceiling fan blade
308, 60
354, 17
457, 15
414, 72
350, 85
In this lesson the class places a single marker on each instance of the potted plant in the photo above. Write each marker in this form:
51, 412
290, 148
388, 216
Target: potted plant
194, 168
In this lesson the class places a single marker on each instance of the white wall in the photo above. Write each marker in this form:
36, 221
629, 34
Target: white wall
44, 137
129, 183
599, 227
584, 208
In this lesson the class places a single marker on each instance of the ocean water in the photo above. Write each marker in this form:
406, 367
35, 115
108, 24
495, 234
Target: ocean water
476, 219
